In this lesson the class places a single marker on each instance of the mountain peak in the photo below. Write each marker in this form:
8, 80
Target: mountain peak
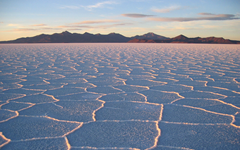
113, 33
150, 36
86, 33
65, 33
151, 33
180, 37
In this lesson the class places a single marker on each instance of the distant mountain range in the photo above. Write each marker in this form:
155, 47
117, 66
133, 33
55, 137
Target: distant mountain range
184, 39
67, 37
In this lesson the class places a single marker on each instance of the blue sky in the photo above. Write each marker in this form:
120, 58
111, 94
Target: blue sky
204, 18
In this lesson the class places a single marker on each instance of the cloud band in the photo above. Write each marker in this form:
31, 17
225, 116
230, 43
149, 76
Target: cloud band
206, 16
136, 15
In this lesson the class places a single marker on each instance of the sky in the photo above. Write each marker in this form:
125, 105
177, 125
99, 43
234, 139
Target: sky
169, 18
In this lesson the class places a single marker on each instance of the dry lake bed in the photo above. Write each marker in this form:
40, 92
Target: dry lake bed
119, 96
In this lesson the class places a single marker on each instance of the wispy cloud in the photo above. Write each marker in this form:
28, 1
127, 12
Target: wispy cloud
93, 24
12, 25
32, 29
101, 4
97, 21
94, 27
137, 15
74, 26
38, 25
167, 9
90, 7
112, 25
207, 14
204, 16
70, 7
23, 29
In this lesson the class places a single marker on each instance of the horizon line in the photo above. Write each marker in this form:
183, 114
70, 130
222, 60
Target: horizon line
116, 33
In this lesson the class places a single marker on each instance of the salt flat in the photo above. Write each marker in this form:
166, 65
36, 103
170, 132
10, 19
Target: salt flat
119, 96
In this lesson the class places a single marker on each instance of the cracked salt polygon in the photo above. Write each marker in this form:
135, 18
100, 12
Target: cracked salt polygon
15, 106
127, 88
129, 134
7, 114
199, 136
81, 111
189, 114
160, 97
214, 105
104, 90
22, 128
203, 94
128, 111
55, 143
40, 98
174, 87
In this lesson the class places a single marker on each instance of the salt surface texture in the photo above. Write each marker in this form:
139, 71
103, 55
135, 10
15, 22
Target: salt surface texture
119, 96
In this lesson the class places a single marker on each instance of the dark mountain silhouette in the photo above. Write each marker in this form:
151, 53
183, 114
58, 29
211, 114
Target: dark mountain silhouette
180, 37
150, 36
184, 39
67, 37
